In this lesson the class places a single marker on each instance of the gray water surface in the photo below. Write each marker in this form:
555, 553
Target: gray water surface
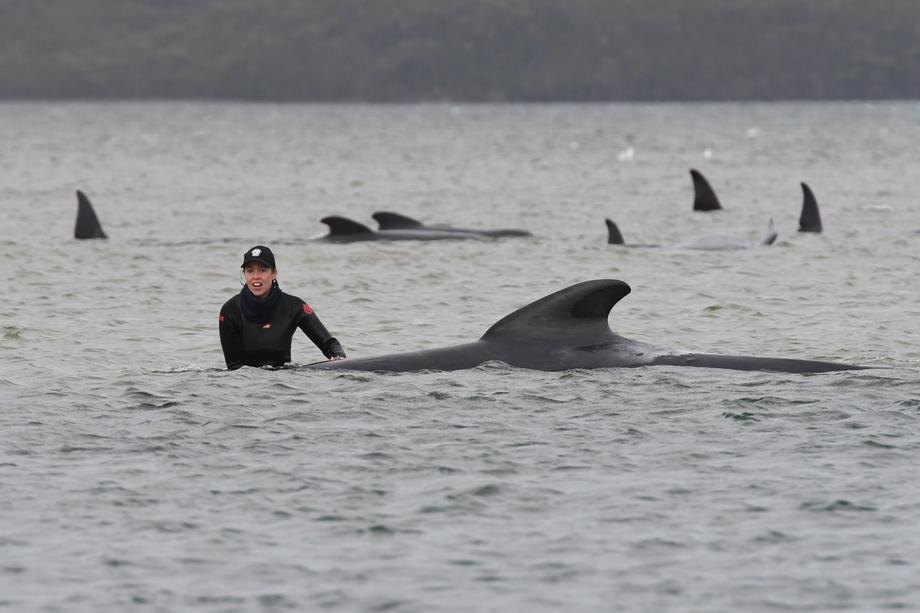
137, 474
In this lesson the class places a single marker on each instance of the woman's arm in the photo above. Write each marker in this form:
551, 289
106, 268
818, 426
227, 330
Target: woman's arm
231, 340
317, 332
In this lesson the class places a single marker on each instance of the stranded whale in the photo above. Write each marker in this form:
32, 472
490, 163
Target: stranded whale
707, 242
344, 230
394, 221
88, 225
565, 330
704, 197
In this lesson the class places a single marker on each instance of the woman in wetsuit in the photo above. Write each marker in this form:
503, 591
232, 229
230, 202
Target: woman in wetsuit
257, 324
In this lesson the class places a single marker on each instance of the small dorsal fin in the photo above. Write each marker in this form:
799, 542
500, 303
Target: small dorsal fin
810, 219
342, 226
395, 221
88, 225
613, 233
769, 236
704, 197
577, 314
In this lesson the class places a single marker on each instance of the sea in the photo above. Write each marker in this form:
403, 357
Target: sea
138, 474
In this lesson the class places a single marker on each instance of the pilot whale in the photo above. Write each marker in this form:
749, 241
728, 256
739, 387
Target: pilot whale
707, 242
88, 225
704, 197
567, 330
344, 230
387, 220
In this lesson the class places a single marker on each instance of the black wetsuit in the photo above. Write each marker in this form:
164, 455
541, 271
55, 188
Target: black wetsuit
254, 333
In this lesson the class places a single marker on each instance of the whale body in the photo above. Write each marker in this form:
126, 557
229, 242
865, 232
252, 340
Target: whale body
388, 220
344, 230
88, 225
568, 330
706, 242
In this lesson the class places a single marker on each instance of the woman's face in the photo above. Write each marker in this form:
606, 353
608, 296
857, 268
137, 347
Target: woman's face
259, 278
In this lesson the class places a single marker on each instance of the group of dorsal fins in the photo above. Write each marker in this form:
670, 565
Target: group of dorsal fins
88, 225
705, 199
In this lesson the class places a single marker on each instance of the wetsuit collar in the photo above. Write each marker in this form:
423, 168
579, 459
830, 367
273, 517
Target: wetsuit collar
259, 311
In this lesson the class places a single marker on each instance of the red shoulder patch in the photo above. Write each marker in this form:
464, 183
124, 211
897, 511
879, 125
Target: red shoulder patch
221, 318
307, 309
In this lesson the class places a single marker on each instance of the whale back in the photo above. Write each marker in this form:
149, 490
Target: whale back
387, 220
566, 330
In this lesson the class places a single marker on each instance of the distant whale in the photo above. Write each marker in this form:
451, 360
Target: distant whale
394, 221
344, 230
810, 219
88, 225
567, 330
704, 197
707, 242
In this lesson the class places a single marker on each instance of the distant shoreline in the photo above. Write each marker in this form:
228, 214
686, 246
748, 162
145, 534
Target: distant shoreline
460, 51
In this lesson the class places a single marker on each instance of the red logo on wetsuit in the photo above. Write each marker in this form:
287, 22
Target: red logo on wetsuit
221, 318
307, 309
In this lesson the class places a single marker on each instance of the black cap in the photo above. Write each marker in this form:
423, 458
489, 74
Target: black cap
261, 254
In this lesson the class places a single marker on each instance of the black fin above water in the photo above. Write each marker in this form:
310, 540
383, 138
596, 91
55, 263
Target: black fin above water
88, 225
394, 221
613, 233
704, 197
342, 226
810, 219
574, 315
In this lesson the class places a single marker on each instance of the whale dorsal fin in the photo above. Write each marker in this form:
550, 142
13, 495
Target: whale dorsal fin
810, 219
88, 225
576, 315
342, 226
769, 235
395, 221
704, 197
613, 234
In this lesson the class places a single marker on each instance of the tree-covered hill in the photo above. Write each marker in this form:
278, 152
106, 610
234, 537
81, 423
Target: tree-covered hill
463, 50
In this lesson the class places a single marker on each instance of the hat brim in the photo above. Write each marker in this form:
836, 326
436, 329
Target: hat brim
259, 260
